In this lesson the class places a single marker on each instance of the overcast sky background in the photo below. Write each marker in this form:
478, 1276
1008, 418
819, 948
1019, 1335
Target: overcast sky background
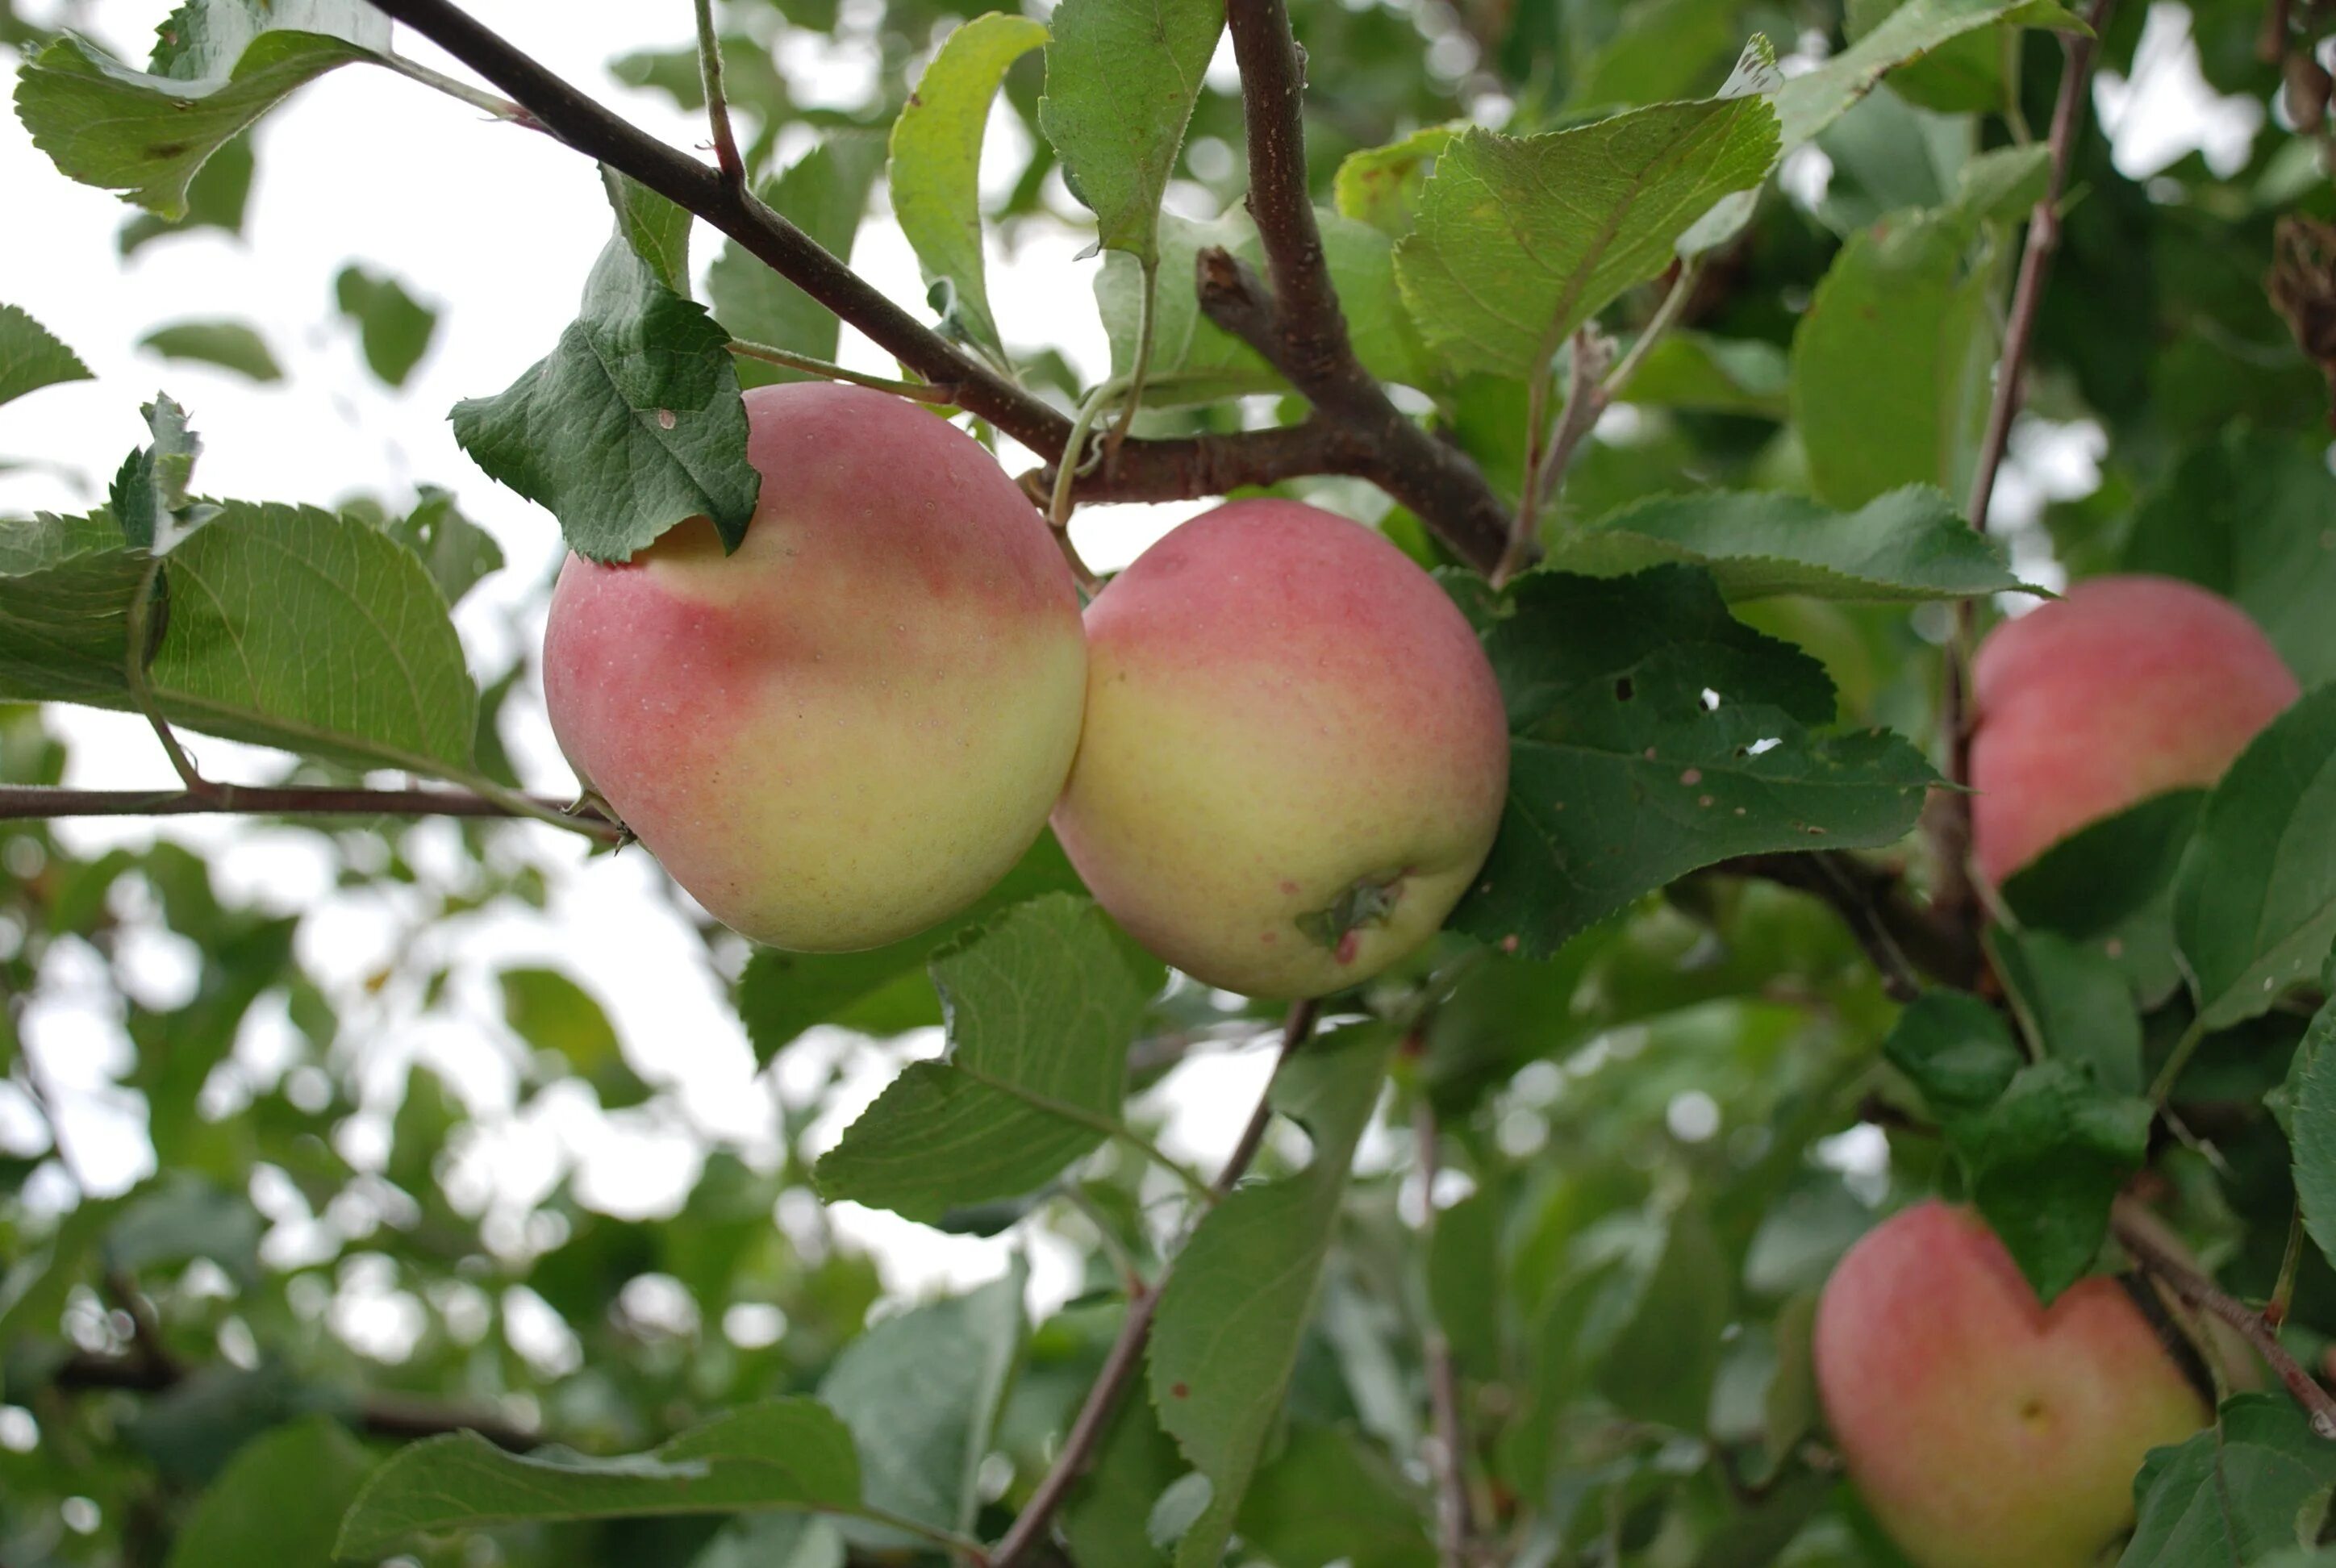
496, 228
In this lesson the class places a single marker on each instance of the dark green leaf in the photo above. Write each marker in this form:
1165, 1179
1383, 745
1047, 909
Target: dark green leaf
2046, 1159
656, 230
2075, 1004
552, 1013
2254, 905
2235, 1493
216, 198
1327, 1499
2311, 1121
2110, 885
455, 551
631, 425
1622, 777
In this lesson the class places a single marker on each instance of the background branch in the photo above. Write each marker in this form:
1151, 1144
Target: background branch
395, 1416
1125, 1357
1454, 1523
1904, 939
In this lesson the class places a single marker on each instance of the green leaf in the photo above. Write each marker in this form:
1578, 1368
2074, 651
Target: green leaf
286, 627
1808, 102
1226, 1337
1658, 1359
1042, 1005
393, 326
2312, 1122
2074, 1003
782, 993
220, 66
922, 1394
66, 586
2110, 885
1957, 1051
216, 198
2255, 904
1520, 240
1326, 1499
2046, 1160
1891, 364
774, 1540
1381, 186
790, 1453
1122, 79
279, 1500
1193, 360
229, 345
1621, 778
456, 552
2237, 1492
632, 424
552, 1013
181, 1218
1108, 1515
2245, 513
1691, 370
934, 172
1907, 545
824, 195
31, 357
657, 229
149, 495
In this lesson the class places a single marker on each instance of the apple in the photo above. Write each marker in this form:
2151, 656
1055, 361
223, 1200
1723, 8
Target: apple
1295, 753
2126, 688
854, 725
1983, 1429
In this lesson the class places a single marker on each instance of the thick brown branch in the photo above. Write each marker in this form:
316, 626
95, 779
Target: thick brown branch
1299, 329
395, 1416
1437, 483
1125, 1359
2139, 1237
20, 801
1948, 821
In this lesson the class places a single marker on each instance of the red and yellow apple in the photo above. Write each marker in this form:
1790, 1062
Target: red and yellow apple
2126, 688
854, 724
1983, 1429
1295, 753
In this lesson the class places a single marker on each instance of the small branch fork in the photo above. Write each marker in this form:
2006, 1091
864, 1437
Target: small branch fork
1125, 1359
1367, 437
2138, 1238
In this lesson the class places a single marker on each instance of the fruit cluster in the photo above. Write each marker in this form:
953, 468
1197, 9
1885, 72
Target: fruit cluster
1274, 750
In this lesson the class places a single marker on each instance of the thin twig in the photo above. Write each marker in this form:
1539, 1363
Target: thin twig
1949, 821
827, 370
24, 802
1904, 940
717, 106
382, 1415
1454, 1523
1550, 456
1125, 1357
462, 92
2202, 1294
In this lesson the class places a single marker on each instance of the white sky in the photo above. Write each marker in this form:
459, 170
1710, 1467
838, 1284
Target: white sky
497, 227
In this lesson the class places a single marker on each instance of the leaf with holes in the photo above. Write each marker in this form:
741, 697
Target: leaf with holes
1624, 776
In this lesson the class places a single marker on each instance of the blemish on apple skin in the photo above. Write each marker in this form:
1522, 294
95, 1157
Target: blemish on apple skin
1349, 944
1288, 888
